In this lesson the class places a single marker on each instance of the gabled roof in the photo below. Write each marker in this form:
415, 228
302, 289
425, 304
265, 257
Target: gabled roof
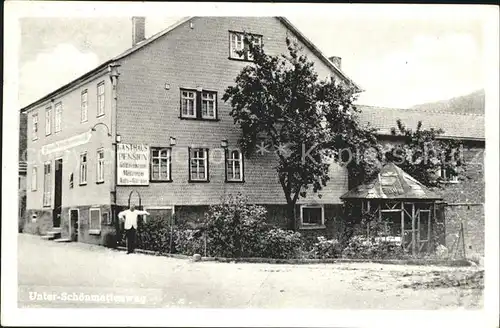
455, 126
164, 32
391, 183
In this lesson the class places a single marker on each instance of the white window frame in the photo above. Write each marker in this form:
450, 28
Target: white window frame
83, 169
302, 207
100, 162
84, 106
209, 97
237, 42
58, 117
231, 161
168, 157
101, 99
47, 185
204, 160
34, 126
48, 120
34, 178
93, 230
185, 97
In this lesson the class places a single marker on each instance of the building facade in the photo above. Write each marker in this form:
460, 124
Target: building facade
150, 127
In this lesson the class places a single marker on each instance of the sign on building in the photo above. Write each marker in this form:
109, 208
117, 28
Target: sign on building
65, 144
132, 165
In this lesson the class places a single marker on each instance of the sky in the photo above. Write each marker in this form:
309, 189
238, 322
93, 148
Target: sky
399, 60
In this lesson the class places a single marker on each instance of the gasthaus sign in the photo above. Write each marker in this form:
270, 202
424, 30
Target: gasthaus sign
132, 165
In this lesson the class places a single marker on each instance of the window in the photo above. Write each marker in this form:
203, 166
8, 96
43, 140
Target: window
201, 104
58, 117
188, 103
95, 221
47, 184
84, 106
71, 182
34, 124
198, 164
208, 104
106, 218
100, 165
312, 215
100, 99
236, 43
160, 164
234, 166
48, 120
83, 168
448, 175
34, 178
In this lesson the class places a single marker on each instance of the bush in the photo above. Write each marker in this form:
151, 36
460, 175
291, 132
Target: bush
280, 244
326, 248
189, 242
360, 247
154, 235
233, 228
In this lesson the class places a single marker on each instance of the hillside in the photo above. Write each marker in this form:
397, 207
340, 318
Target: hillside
469, 104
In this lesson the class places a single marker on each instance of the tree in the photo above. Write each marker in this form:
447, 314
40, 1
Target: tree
423, 153
280, 100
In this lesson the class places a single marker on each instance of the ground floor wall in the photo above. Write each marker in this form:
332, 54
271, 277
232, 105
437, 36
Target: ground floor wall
102, 227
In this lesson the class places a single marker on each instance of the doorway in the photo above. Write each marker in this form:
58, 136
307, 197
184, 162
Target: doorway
56, 219
73, 224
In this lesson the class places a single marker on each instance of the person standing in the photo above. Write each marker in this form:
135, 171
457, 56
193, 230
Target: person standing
130, 218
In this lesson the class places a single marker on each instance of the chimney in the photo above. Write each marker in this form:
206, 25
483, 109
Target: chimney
337, 61
138, 30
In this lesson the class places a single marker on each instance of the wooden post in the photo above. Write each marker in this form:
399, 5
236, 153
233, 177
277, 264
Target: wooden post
429, 224
413, 237
402, 223
463, 237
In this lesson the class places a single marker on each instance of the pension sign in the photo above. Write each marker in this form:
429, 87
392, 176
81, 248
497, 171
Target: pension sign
132, 164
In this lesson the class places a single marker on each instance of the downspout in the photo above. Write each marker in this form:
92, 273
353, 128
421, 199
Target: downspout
113, 70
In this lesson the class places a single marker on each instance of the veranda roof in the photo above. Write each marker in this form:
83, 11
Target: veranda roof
391, 183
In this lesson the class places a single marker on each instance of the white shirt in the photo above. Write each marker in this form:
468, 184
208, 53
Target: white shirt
131, 217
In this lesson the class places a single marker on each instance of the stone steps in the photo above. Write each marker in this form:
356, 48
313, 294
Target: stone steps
53, 234
63, 240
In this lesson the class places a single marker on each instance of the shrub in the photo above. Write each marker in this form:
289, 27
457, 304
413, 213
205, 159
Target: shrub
233, 227
280, 244
326, 248
154, 235
360, 247
189, 242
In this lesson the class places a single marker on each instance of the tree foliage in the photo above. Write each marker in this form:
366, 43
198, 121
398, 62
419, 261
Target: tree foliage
280, 101
423, 153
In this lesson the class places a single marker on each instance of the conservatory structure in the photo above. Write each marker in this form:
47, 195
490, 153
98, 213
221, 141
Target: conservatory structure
396, 208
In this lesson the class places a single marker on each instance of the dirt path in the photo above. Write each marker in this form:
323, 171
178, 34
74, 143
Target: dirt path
45, 265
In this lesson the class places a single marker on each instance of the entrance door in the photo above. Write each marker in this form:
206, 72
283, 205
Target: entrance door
73, 221
56, 219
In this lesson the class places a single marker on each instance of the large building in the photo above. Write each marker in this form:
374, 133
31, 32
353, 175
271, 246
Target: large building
149, 127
